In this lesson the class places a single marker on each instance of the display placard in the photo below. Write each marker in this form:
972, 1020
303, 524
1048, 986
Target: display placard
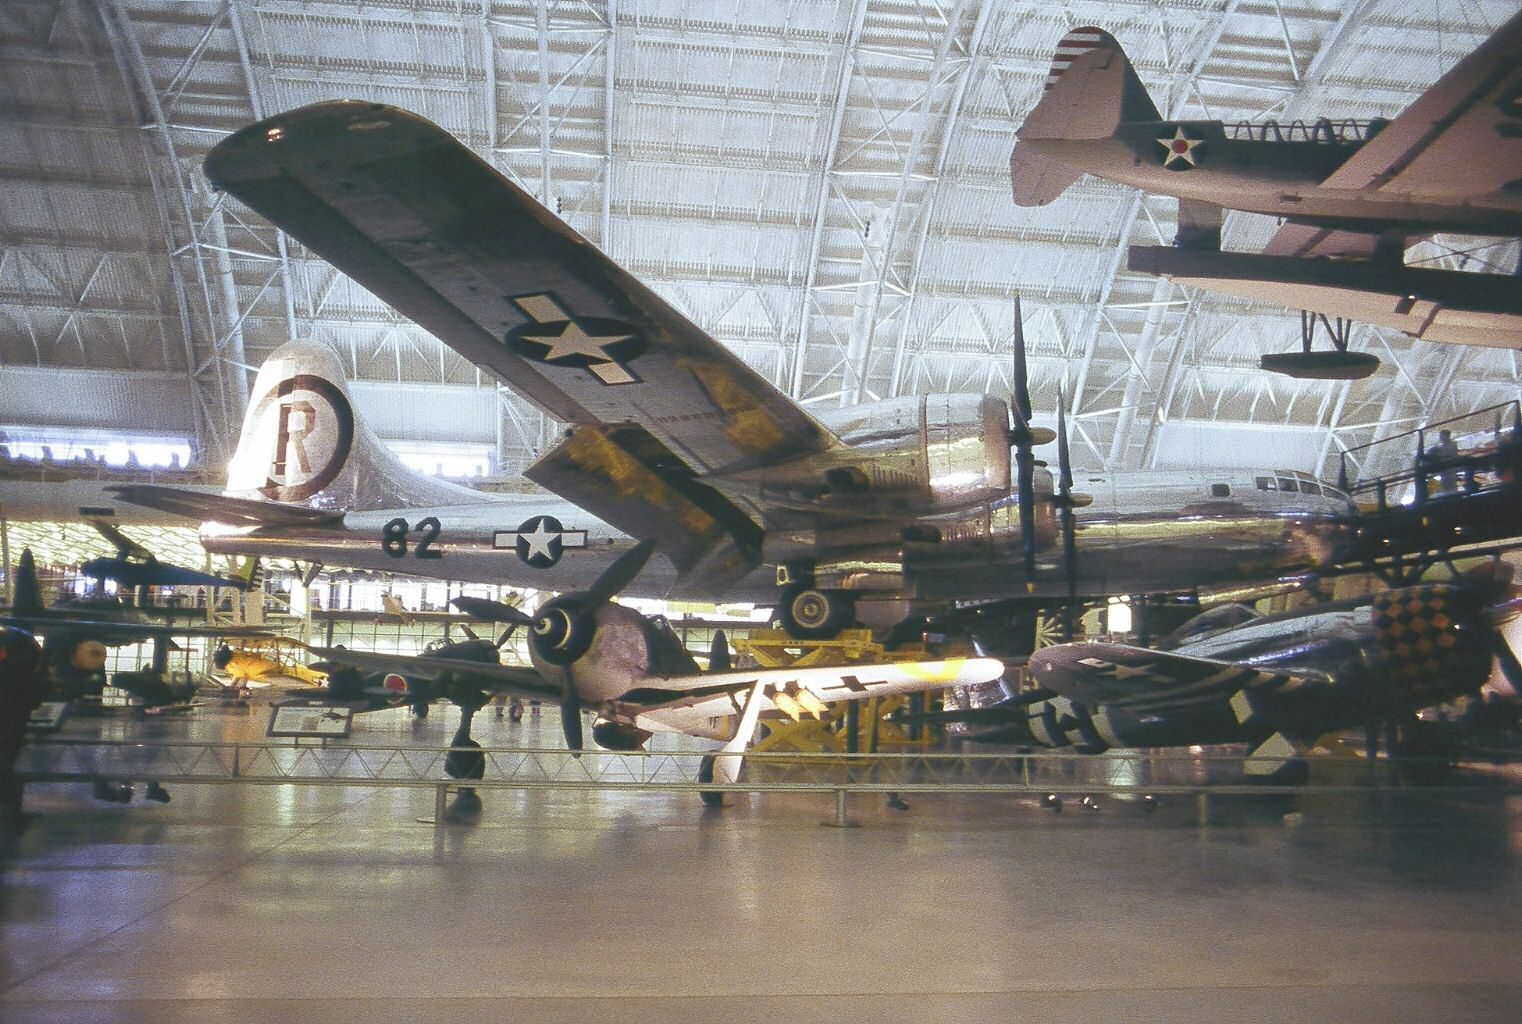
311, 718
48, 715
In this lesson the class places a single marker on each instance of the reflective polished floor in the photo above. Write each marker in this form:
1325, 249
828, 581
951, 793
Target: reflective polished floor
279, 903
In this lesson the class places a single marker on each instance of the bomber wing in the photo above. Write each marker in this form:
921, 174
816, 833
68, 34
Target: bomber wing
1098, 673
116, 632
414, 215
1462, 137
688, 704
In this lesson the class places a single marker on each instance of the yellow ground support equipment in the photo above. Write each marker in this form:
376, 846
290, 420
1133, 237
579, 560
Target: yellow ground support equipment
828, 727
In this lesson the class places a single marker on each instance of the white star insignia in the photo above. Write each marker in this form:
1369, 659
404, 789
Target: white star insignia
539, 541
573, 341
1180, 149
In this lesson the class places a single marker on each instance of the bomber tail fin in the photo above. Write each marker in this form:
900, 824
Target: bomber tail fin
1091, 90
303, 443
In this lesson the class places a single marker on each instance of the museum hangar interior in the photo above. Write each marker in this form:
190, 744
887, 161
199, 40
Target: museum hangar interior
823, 189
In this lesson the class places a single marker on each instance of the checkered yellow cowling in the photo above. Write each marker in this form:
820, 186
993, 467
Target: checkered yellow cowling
1432, 639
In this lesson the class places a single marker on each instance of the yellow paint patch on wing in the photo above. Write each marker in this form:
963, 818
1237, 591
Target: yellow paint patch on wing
934, 671
749, 426
593, 452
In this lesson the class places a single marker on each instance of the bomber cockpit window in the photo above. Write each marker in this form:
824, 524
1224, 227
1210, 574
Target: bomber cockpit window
1220, 490
1287, 483
1266, 483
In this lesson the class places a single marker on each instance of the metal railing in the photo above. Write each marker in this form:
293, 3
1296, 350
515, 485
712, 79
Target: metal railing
1407, 457
1117, 773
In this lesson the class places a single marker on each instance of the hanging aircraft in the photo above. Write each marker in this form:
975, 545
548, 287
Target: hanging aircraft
1275, 683
635, 674
135, 567
1352, 194
878, 512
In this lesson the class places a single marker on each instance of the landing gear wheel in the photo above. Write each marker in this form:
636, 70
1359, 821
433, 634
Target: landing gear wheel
809, 613
711, 797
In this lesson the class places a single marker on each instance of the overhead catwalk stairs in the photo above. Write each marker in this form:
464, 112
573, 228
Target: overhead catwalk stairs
1439, 489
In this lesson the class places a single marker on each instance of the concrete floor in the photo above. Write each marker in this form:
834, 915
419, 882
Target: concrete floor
266, 904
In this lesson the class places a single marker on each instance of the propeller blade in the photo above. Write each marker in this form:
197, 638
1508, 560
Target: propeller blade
1065, 507
492, 611
570, 721
1070, 563
1510, 667
718, 653
620, 574
1020, 400
507, 634
1064, 468
1025, 483
468, 631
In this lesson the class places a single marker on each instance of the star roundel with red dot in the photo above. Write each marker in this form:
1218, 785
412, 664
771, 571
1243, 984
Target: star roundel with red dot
1180, 150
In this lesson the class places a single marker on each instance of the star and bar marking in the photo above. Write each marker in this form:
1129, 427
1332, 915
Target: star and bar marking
539, 541
601, 346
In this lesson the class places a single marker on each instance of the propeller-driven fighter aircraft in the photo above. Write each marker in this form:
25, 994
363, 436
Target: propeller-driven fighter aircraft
633, 671
1355, 194
880, 511
1276, 683
78, 634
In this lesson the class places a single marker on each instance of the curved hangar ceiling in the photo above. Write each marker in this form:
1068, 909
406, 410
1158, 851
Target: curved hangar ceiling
822, 186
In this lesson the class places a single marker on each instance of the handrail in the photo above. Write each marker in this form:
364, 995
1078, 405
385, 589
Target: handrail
65, 758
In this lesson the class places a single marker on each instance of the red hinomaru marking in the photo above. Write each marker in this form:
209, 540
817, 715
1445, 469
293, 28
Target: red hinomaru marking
395, 684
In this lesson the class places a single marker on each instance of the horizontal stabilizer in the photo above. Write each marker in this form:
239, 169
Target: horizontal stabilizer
694, 704
1037, 179
242, 511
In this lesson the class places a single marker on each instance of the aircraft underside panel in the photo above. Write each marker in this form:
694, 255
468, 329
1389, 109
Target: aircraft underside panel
630, 480
1435, 305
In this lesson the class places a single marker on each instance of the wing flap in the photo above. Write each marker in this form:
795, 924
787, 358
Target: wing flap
625, 477
403, 207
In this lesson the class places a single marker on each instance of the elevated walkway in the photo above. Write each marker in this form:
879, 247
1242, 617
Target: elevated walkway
1425, 492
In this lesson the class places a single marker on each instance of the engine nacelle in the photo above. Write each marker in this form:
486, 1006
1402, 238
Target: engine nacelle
926, 455
966, 450
614, 735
